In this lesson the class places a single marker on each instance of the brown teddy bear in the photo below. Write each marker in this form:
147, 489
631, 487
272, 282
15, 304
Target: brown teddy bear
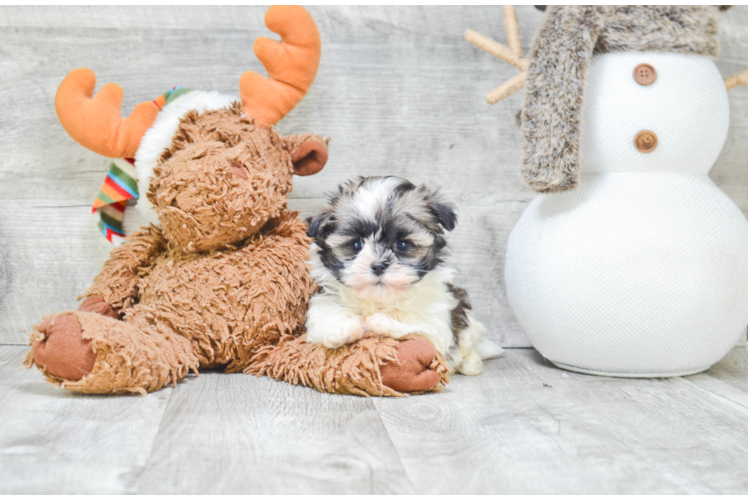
219, 279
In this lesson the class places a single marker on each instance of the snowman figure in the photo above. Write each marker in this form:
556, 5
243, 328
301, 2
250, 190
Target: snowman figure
631, 262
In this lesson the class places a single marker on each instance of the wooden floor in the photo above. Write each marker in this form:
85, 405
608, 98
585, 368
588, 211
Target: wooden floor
523, 426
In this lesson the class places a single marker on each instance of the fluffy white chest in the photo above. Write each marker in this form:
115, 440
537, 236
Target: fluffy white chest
425, 309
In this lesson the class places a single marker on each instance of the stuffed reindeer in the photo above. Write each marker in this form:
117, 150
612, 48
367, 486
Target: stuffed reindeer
631, 262
219, 279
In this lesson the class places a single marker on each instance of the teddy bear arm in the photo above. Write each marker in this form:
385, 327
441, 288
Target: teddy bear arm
117, 281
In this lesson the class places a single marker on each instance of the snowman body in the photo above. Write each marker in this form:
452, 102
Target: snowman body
642, 270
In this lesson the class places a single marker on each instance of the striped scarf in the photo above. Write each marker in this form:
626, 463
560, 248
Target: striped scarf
121, 185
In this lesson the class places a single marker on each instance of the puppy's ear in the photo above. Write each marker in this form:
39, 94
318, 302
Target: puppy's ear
443, 211
321, 224
446, 215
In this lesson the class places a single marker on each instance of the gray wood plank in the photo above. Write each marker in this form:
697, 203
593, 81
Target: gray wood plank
521, 427
53, 441
364, 19
728, 379
525, 426
399, 91
238, 434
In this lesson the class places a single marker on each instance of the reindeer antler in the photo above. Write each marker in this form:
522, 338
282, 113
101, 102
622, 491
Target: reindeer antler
735, 80
511, 55
96, 122
291, 65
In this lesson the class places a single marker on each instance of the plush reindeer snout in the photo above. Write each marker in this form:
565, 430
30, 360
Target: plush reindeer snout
213, 189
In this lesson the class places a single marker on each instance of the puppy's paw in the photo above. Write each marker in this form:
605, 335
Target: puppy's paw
378, 323
471, 364
347, 332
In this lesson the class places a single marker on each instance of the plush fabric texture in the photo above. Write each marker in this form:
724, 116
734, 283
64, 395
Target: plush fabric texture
117, 281
291, 65
130, 358
219, 278
224, 283
202, 204
359, 368
96, 304
420, 371
62, 333
226, 274
229, 302
560, 57
690, 29
121, 183
96, 123
161, 135
307, 156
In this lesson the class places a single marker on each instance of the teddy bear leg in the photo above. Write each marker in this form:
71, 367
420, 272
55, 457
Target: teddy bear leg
97, 354
373, 366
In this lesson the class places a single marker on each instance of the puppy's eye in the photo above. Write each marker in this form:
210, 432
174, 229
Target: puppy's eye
402, 246
357, 245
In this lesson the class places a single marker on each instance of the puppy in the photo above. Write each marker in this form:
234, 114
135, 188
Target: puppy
377, 257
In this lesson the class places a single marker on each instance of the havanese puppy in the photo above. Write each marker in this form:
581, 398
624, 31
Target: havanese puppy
378, 258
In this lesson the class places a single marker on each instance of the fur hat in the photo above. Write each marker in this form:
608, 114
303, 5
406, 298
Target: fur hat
555, 72
560, 57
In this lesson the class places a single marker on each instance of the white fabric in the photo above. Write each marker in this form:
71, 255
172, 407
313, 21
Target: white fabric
686, 107
643, 269
631, 274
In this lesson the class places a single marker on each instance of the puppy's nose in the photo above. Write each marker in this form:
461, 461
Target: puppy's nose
378, 268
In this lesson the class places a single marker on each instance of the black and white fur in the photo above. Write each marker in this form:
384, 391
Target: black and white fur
377, 256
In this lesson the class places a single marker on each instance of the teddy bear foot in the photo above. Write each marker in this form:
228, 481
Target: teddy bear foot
94, 353
417, 368
60, 349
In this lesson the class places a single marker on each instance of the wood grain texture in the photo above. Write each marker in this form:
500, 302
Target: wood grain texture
53, 441
523, 426
399, 91
231, 434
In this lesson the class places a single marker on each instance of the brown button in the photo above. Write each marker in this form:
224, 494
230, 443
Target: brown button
645, 141
644, 74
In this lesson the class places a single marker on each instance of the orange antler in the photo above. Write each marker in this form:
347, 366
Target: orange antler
96, 122
511, 54
291, 65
